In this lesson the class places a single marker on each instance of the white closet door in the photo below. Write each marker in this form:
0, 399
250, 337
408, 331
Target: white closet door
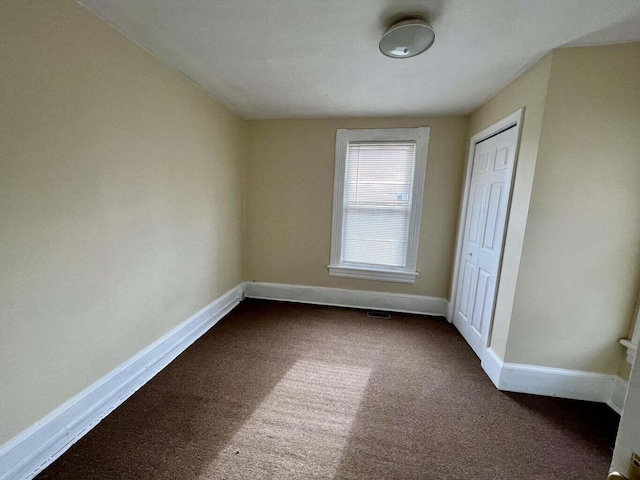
488, 202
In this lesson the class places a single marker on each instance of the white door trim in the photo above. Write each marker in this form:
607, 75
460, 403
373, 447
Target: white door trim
513, 120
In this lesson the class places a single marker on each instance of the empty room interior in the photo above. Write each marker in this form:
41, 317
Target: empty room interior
295, 239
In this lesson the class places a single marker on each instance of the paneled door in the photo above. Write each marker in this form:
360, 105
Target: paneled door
628, 440
482, 240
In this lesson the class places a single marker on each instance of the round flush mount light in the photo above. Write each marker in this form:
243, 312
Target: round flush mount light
407, 38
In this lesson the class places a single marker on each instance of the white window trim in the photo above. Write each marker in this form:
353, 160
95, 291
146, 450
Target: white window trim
338, 268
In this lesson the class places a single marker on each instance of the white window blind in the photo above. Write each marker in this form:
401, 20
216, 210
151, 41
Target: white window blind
377, 203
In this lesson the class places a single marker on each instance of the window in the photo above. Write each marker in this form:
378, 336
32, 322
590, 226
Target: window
377, 203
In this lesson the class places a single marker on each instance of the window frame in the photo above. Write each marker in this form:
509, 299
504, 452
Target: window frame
337, 267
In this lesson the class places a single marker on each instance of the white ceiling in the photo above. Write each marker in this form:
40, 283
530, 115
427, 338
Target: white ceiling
320, 58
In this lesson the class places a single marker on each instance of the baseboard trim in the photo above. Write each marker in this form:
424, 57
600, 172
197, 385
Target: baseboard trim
552, 382
619, 395
492, 366
338, 297
30, 452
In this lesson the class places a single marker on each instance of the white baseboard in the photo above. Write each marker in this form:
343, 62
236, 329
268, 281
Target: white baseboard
619, 395
339, 297
30, 452
552, 382
492, 366
450, 314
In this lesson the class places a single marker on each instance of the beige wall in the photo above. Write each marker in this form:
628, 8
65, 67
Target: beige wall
528, 91
578, 278
290, 194
120, 203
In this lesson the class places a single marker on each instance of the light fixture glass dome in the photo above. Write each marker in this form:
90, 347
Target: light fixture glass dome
407, 39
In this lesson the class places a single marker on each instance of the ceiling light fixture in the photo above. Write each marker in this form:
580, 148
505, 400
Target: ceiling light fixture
407, 38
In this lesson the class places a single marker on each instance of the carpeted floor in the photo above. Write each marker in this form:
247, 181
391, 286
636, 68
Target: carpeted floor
285, 391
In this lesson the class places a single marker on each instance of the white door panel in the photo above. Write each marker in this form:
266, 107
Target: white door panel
628, 439
487, 208
493, 211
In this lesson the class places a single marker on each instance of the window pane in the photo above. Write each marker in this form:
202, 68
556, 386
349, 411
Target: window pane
376, 236
379, 180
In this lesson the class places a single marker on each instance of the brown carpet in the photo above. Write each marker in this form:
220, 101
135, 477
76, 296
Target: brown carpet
284, 391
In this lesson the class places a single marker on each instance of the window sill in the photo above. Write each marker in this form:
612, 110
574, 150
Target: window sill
372, 274
631, 350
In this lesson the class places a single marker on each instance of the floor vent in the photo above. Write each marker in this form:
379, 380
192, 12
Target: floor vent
378, 314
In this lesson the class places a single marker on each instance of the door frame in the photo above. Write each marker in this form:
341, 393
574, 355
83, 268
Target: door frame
514, 120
